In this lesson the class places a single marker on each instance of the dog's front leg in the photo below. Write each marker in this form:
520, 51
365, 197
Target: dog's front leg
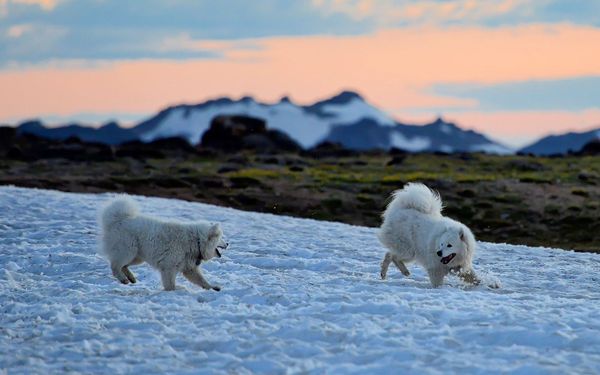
469, 276
168, 279
436, 276
195, 276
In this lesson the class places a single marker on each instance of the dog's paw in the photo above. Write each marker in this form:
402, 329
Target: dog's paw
407, 273
217, 288
383, 275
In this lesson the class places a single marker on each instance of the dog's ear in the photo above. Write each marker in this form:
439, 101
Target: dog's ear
214, 231
461, 234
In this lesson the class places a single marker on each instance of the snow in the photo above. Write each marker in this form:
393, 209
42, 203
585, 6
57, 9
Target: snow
355, 110
298, 296
492, 148
414, 144
446, 148
305, 127
445, 128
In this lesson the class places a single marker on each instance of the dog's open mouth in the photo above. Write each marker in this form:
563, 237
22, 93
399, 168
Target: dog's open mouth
447, 259
220, 247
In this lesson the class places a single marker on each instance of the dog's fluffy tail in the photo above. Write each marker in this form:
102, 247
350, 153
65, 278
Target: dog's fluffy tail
418, 197
117, 210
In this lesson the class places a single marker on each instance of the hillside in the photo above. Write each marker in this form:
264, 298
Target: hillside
536, 201
298, 296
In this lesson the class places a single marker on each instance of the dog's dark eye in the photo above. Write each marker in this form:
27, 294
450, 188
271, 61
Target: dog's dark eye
449, 245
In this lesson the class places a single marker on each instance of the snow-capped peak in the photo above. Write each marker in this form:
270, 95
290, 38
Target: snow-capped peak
285, 99
308, 125
342, 98
354, 110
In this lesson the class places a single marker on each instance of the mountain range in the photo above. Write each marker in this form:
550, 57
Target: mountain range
346, 118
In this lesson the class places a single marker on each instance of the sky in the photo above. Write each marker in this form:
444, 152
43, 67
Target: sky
513, 69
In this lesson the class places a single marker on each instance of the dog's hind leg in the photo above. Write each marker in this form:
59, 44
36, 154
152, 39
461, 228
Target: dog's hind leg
137, 260
385, 264
401, 266
195, 276
168, 279
130, 276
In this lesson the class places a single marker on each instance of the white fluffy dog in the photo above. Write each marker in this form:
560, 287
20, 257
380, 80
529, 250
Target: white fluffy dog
414, 229
129, 238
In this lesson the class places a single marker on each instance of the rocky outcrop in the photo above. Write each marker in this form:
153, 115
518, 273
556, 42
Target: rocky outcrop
232, 133
591, 148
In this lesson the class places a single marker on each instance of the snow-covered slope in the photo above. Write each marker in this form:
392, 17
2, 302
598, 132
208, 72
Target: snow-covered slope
299, 296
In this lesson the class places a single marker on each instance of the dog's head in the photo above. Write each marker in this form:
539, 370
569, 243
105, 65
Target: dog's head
214, 245
456, 246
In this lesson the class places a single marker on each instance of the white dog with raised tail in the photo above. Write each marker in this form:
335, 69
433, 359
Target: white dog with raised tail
414, 229
129, 238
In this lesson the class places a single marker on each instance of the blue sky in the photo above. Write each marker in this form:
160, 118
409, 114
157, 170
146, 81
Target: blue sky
571, 94
113, 29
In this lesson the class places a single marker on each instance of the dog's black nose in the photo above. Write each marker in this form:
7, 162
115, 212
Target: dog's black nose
439, 253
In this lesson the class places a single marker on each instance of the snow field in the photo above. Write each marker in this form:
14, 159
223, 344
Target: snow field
299, 296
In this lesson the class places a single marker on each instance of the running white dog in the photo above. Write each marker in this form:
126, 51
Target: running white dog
414, 229
129, 238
